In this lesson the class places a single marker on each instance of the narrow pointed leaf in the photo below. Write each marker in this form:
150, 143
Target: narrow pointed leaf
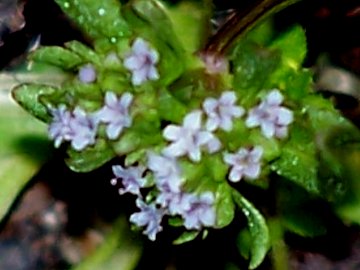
258, 230
186, 237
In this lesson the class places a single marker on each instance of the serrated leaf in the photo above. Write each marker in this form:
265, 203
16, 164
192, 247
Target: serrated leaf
97, 19
298, 161
296, 83
28, 96
57, 56
90, 158
83, 51
225, 206
253, 66
293, 46
186, 237
258, 230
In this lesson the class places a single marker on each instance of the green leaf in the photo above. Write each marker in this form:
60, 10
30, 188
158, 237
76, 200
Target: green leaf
322, 114
57, 56
293, 46
91, 158
27, 95
188, 19
225, 207
253, 67
258, 230
84, 52
186, 237
98, 19
24, 148
169, 108
296, 83
298, 161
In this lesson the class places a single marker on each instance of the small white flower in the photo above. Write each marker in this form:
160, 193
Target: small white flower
221, 111
77, 127
244, 163
149, 216
115, 114
272, 118
166, 171
132, 179
141, 62
87, 74
59, 128
201, 211
189, 138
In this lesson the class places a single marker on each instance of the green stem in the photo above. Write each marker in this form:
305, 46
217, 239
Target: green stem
240, 23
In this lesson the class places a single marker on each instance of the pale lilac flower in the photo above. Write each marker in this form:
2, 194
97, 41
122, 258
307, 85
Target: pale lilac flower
141, 62
115, 114
149, 216
189, 138
87, 74
272, 118
77, 127
244, 163
131, 178
166, 171
220, 112
201, 211
215, 64
59, 128
84, 128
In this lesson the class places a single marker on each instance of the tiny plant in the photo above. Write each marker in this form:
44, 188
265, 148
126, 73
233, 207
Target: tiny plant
195, 123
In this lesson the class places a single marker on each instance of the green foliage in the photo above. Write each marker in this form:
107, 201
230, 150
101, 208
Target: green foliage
303, 168
186, 237
258, 230
92, 157
57, 56
97, 19
292, 45
298, 160
225, 206
28, 96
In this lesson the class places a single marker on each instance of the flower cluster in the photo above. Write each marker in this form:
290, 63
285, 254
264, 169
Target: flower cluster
197, 211
74, 126
80, 128
196, 134
189, 140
